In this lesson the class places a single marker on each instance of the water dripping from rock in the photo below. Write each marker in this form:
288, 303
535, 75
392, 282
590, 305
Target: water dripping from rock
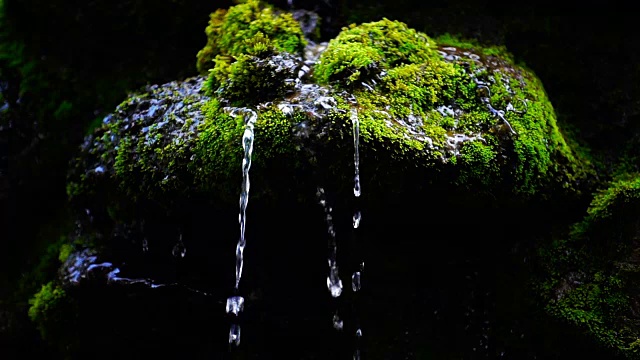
356, 154
235, 304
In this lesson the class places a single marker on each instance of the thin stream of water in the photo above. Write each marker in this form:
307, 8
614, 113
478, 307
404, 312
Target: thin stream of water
356, 152
356, 284
235, 304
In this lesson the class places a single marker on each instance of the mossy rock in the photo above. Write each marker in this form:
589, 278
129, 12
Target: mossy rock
591, 273
460, 118
229, 30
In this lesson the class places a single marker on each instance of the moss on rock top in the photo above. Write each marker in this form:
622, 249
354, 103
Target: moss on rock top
463, 118
229, 30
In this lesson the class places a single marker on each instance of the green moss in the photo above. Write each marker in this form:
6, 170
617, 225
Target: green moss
65, 251
253, 79
218, 152
413, 82
473, 44
424, 113
229, 32
217, 149
478, 165
47, 309
360, 52
592, 271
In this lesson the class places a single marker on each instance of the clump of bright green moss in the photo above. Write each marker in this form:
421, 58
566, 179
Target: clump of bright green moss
250, 52
259, 75
229, 30
44, 303
359, 53
592, 272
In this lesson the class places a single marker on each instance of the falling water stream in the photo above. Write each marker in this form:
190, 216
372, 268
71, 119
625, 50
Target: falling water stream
235, 303
357, 217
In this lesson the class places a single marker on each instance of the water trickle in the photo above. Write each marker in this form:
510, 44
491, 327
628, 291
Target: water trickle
357, 215
356, 153
235, 304
250, 118
179, 250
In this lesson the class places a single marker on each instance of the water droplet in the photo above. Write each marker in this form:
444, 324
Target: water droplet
356, 355
334, 284
235, 305
338, 324
234, 335
145, 245
359, 333
179, 250
356, 219
355, 281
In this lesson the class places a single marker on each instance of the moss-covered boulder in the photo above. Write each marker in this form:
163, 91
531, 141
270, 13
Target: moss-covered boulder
458, 128
591, 273
460, 117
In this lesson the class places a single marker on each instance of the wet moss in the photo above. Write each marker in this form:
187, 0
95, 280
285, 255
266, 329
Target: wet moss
359, 53
229, 30
591, 272
436, 98
433, 108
